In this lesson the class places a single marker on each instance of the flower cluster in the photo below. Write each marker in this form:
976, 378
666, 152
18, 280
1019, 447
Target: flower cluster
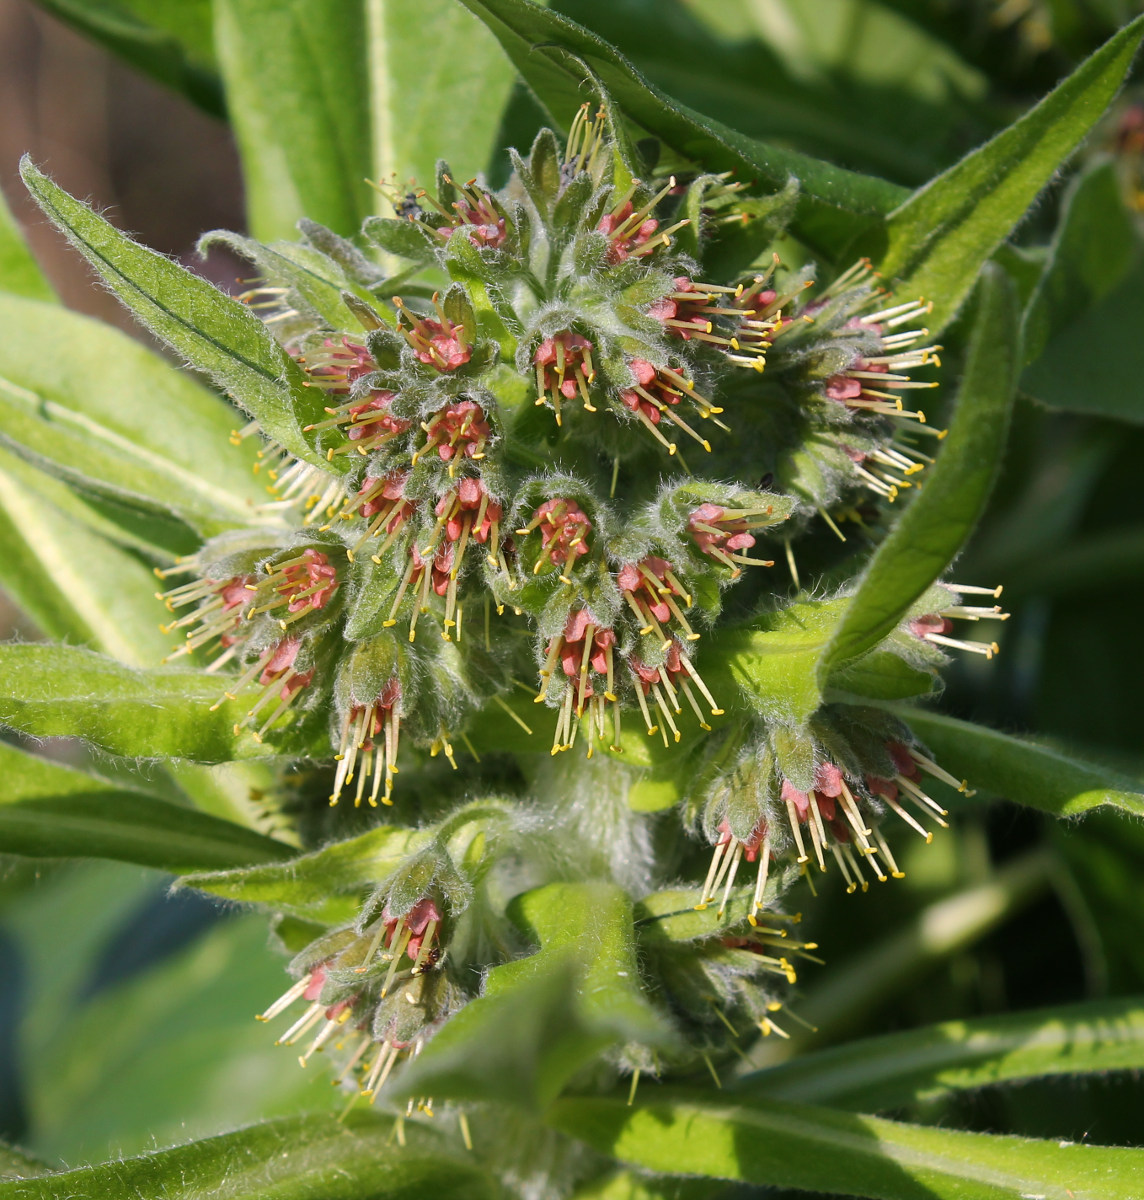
551, 475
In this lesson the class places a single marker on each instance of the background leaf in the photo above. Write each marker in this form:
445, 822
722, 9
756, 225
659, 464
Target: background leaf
420, 48
20, 274
298, 92
937, 242
62, 691
934, 526
1081, 346
49, 811
1022, 771
890, 1071
110, 415
545, 47
818, 1149
74, 584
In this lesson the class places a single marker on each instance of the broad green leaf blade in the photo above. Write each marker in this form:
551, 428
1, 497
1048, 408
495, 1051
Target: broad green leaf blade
881, 675
1022, 771
211, 330
933, 528
295, 1158
782, 1144
298, 93
90, 404
73, 583
51, 811
887, 1072
168, 39
543, 1017
20, 274
548, 49
324, 885
775, 668
422, 49
62, 691
938, 241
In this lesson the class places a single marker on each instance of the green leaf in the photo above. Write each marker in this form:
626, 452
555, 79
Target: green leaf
775, 668
1022, 771
73, 583
51, 811
62, 691
324, 885
90, 404
778, 1143
298, 93
1080, 327
846, 995
209, 1067
16, 1164
936, 243
1095, 365
213, 331
899, 1068
936, 523
168, 39
1094, 247
543, 1017
20, 274
881, 675
295, 1158
550, 51
421, 49
871, 90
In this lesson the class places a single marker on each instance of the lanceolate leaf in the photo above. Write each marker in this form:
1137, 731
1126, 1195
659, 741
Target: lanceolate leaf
314, 885
941, 516
214, 332
298, 94
548, 50
51, 811
295, 1158
61, 691
543, 1017
887, 1072
89, 403
937, 241
782, 1144
1022, 771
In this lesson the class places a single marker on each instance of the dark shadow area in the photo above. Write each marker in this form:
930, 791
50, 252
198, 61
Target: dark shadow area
13, 981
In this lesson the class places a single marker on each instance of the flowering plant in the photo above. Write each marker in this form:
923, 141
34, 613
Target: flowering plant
557, 579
